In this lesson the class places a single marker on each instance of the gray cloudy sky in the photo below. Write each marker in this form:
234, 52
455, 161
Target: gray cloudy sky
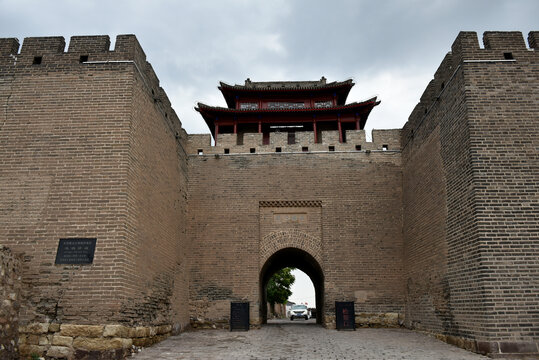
390, 48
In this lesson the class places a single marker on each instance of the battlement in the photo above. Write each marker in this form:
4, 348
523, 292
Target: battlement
87, 53
383, 140
499, 47
81, 49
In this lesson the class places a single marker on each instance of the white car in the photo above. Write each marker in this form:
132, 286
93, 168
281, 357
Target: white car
299, 311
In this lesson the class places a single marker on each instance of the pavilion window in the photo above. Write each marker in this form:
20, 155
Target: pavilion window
248, 106
291, 138
286, 105
323, 104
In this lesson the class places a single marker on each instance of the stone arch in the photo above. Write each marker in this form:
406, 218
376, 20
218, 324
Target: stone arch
278, 240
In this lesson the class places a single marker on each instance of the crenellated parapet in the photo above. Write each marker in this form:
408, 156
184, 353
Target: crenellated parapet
253, 143
82, 49
86, 53
499, 47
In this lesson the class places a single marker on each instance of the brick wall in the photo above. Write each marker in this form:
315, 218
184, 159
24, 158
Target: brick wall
64, 131
90, 147
157, 193
358, 222
475, 129
304, 142
505, 161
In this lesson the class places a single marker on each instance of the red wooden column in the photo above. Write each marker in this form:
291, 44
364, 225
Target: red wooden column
235, 127
259, 126
357, 122
340, 127
216, 132
315, 132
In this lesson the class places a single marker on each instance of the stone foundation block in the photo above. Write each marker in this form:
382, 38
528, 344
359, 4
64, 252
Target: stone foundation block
463, 343
441, 337
487, 347
164, 329
378, 319
100, 344
142, 342
71, 341
140, 332
90, 331
54, 327
60, 352
34, 328
117, 331
62, 340
44, 340
27, 350
510, 347
32, 339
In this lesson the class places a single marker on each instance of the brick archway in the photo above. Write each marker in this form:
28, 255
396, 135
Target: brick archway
278, 240
296, 257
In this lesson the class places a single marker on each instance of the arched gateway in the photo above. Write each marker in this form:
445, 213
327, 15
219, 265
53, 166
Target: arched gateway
290, 237
298, 258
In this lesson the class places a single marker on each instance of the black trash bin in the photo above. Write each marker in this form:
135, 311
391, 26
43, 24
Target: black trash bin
344, 315
239, 316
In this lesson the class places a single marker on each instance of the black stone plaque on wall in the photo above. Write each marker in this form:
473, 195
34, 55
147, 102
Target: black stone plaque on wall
345, 317
239, 316
75, 251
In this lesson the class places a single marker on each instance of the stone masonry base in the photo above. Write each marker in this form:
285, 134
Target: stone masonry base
68, 341
494, 349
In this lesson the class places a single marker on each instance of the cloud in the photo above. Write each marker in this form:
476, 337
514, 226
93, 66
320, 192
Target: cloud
390, 48
399, 91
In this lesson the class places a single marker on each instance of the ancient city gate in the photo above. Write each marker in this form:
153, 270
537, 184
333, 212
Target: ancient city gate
182, 227
290, 235
292, 181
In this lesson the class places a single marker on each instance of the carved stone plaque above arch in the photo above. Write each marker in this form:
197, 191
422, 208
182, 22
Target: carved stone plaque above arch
295, 224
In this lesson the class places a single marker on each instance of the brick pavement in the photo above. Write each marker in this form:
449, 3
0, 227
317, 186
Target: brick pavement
305, 340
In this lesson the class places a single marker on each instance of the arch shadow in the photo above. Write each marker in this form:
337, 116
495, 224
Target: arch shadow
302, 260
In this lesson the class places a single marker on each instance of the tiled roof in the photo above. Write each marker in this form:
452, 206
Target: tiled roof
340, 107
286, 85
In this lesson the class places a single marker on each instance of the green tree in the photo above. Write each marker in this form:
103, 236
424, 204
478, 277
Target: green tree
278, 289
